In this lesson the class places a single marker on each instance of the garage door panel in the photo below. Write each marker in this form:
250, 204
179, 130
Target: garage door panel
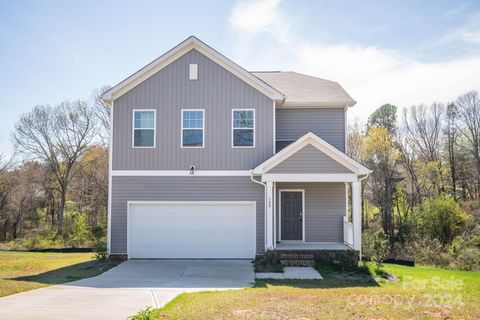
192, 230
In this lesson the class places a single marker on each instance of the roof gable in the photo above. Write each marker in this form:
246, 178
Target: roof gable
178, 51
320, 144
309, 160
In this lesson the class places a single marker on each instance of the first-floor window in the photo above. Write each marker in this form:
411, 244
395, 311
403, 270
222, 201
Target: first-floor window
144, 128
193, 121
243, 128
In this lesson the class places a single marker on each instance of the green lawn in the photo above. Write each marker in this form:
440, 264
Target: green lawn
23, 271
416, 293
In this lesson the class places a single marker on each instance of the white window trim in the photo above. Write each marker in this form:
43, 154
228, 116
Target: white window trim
182, 128
280, 212
154, 129
254, 129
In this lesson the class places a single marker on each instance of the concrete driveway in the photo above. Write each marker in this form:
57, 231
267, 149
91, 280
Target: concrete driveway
127, 288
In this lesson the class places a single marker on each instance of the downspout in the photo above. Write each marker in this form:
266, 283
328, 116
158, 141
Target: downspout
264, 202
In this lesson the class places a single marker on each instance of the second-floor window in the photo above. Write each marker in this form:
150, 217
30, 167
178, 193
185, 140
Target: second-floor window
243, 128
144, 128
193, 121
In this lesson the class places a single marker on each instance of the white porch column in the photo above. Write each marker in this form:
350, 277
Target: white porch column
269, 217
357, 214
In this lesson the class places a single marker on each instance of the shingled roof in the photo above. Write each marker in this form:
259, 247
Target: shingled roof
303, 90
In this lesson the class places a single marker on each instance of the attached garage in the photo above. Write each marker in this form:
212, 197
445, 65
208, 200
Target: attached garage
191, 229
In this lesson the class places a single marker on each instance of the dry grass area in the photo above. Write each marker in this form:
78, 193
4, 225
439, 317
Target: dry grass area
23, 271
414, 293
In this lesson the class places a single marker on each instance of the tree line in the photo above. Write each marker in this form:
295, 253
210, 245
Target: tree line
420, 202
424, 190
55, 187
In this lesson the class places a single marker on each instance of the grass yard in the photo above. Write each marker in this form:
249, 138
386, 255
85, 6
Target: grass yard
415, 293
23, 271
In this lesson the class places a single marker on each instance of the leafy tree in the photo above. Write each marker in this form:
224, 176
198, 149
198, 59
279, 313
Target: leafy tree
384, 117
382, 158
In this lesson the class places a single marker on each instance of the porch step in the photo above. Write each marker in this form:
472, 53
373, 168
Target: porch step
296, 256
298, 263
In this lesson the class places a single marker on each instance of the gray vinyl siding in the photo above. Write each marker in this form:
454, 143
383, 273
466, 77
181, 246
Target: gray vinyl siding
325, 206
180, 189
309, 160
168, 91
327, 123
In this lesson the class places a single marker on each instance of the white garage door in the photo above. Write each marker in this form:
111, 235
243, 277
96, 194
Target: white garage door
191, 230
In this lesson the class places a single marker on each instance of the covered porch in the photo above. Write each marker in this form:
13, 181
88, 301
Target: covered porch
307, 204
286, 245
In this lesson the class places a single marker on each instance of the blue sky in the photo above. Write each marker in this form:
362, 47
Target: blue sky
403, 52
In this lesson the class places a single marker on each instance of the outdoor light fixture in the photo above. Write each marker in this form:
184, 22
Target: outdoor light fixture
192, 169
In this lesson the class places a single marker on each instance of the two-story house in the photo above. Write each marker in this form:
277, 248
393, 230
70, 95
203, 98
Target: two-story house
209, 160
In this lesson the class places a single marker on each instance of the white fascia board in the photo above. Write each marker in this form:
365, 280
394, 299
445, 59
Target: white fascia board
180, 173
317, 104
178, 51
327, 177
320, 144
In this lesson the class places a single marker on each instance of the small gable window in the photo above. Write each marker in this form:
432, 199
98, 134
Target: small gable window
144, 128
193, 71
243, 128
193, 121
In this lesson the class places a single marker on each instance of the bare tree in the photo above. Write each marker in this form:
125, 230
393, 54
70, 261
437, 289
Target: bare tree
424, 125
423, 129
469, 115
5, 189
25, 196
57, 136
451, 134
102, 111
90, 185
408, 160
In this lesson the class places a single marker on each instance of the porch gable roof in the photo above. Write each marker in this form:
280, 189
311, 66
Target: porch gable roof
326, 149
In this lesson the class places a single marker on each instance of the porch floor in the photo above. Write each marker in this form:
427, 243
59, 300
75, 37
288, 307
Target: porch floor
311, 246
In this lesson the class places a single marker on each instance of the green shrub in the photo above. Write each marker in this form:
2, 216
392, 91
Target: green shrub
427, 251
441, 218
468, 260
80, 234
100, 250
380, 246
269, 262
147, 314
98, 232
465, 250
99, 243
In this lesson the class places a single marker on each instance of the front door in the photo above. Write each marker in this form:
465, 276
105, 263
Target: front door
291, 215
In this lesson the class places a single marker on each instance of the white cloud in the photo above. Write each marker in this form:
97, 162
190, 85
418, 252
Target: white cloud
260, 16
372, 75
